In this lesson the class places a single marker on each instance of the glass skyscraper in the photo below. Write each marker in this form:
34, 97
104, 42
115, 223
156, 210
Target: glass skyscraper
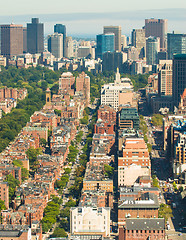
152, 49
176, 44
179, 77
105, 43
60, 28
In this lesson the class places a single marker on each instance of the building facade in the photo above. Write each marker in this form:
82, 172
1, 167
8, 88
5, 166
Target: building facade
156, 28
137, 228
89, 220
105, 43
118, 93
112, 61
83, 86
165, 78
55, 45
176, 44
117, 32
61, 29
128, 118
134, 161
11, 40
152, 49
179, 77
66, 82
35, 36
139, 41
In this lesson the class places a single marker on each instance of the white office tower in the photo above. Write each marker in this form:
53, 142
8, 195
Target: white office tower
69, 47
55, 45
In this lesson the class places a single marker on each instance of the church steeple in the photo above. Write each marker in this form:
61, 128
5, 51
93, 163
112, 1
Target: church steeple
118, 81
48, 97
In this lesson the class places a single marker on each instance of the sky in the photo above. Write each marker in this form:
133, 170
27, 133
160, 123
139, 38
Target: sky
89, 17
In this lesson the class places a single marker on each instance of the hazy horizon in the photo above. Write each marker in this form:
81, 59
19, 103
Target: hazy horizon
91, 24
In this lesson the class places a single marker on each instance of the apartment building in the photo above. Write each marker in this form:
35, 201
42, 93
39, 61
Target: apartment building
134, 162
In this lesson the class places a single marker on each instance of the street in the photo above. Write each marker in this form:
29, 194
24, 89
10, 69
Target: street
160, 168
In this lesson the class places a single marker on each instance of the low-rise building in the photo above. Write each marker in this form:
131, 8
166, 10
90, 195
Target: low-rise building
128, 118
90, 220
145, 206
139, 228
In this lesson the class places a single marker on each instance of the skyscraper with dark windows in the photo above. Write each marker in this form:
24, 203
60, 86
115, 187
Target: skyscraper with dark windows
105, 43
176, 44
60, 28
179, 77
35, 36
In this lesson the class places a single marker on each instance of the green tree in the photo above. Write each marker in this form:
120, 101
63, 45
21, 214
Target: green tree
157, 120
108, 170
42, 142
57, 112
67, 170
51, 212
2, 205
165, 211
59, 232
155, 181
32, 154
12, 183
24, 171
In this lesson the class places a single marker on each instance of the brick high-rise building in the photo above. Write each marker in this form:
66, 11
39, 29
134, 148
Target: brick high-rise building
4, 193
165, 78
139, 41
35, 36
66, 83
117, 32
107, 113
24, 40
156, 28
11, 40
83, 86
179, 77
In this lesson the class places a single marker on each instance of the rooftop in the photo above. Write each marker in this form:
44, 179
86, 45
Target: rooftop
145, 224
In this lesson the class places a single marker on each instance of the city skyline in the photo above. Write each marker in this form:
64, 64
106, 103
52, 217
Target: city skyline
92, 23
